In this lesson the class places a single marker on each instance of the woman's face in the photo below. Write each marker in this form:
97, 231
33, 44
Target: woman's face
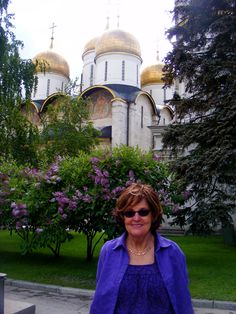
138, 226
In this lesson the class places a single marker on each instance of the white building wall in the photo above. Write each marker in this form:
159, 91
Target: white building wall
140, 117
101, 123
88, 61
49, 83
114, 69
158, 94
165, 116
119, 123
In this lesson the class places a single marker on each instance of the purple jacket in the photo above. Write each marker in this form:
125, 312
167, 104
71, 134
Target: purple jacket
113, 262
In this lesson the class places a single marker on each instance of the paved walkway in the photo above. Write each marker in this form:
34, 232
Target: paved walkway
51, 299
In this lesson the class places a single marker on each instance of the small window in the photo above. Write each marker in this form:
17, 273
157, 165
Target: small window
137, 76
177, 85
142, 117
91, 75
106, 66
164, 94
123, 70
48, 87
81, 81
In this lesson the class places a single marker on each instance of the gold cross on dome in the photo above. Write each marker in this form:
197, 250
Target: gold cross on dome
52, 38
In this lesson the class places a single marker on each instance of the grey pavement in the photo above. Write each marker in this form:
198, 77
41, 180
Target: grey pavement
50, 299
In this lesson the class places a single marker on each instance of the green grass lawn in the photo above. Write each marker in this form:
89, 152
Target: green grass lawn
211, 265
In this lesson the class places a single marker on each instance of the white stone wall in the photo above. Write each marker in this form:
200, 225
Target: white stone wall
165, 116
101, 123
139, 133
88, 61
119, 123
157, 137
158, 94
114, 69
56, 81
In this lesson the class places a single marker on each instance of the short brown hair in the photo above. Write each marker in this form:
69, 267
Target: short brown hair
134, 194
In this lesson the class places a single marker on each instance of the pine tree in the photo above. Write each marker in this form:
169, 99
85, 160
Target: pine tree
203, 138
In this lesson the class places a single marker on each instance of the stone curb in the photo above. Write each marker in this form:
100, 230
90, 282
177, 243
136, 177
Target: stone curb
211, 304
49, 288
214, 304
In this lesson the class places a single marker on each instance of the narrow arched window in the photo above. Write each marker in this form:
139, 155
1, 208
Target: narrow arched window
137, 76
48, 87
91, 75
164, 90
123, 71
141, 116
106, 67
81, 81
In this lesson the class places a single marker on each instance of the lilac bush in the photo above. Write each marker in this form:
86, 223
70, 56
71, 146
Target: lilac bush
79, 194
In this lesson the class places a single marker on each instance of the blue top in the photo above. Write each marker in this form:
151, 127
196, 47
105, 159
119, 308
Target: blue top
142, 291
113, 263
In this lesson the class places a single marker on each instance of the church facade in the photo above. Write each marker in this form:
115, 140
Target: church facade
127, 105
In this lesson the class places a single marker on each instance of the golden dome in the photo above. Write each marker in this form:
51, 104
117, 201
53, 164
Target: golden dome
152, 74
117, 41
53, 63
90, 45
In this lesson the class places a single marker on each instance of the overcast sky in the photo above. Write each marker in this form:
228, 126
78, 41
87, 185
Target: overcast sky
78, 21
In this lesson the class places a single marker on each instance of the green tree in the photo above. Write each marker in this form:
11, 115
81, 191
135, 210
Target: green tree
203, 138
91, 185
67, 129
17, 136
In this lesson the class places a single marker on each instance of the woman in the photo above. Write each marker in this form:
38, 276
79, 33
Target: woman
141, 272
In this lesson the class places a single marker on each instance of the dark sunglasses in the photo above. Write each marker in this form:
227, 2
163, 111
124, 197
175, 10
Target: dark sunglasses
141, 212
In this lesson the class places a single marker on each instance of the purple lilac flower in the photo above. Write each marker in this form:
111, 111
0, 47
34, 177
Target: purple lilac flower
186, 194
52, 174
117, 190
18, 225
104, 182
128, 183
131, 175
72, 205
106, 197
60, 210
157, 157
61, 199
78, 194
94, 160
64, 216
19, 210
86, 198
106, 174
175, 208
38, 230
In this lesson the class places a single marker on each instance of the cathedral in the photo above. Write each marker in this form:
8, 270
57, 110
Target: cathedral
127, 105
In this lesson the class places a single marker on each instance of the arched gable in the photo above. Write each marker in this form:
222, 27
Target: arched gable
166, 115
99, 101
49, 100
30, 110
152, 102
